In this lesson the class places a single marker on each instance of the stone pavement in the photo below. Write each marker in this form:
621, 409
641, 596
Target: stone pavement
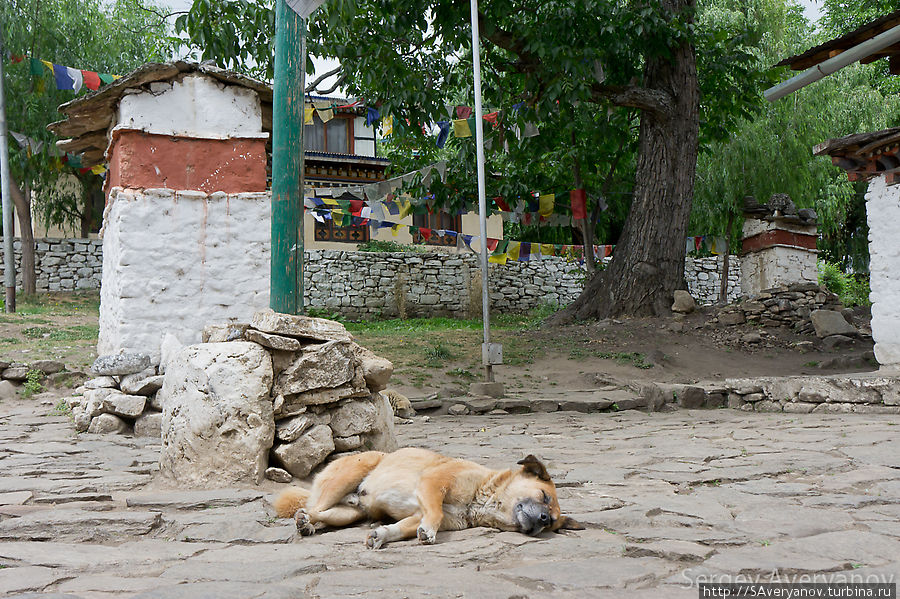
669, 499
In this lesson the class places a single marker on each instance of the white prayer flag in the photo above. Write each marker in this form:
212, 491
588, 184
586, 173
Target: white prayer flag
304, 8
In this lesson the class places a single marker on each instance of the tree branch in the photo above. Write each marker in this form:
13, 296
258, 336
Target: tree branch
312, 86
656, 101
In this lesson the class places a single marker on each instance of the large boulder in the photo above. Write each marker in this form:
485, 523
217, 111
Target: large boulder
684, 302
327, 365
831, 322
217, 425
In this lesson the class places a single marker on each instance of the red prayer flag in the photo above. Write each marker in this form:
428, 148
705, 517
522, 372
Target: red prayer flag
14, 58
698, 241
91, 80
492, 244
356, 207
492, 117
502, 205
578, 197
463, 112
425, 232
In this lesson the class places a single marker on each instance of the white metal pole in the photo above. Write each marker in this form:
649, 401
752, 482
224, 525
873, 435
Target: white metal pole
836, 63
482, 202
9, 263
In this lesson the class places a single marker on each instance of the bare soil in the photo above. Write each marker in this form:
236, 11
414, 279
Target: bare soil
445, 356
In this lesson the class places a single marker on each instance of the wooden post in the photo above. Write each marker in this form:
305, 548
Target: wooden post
286, 273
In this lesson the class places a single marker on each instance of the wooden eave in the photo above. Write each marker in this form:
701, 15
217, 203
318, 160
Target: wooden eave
865, 155
832, 48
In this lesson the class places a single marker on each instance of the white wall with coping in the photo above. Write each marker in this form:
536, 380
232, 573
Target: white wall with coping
883, 215
207, 109
177, 261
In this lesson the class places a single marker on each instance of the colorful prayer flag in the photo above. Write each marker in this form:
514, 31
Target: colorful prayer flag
76, 77
463, 112
107, 78
578, 198
372, 116
546, 204
308, 115
443, 133
461, 128
91, 80
61, 74
387, 126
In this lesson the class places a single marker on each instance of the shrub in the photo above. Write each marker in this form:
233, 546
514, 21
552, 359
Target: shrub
33, 382
376, 245
852, 289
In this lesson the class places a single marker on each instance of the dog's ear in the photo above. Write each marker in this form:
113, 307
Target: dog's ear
532, 465
568, 523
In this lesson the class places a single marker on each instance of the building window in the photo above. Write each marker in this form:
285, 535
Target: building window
335, 136
437, 220
328, 231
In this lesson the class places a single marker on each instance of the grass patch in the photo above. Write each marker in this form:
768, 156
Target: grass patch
461, 373
33, 383
76, 333
635, 359
437, 355
36, 332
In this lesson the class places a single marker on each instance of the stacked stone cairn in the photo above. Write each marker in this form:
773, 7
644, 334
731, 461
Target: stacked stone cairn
291, 389
785, 306
123, 398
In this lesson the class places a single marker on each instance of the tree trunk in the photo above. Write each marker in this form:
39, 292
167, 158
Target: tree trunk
648, 263
22, 202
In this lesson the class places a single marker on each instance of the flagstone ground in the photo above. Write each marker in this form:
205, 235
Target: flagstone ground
668, 500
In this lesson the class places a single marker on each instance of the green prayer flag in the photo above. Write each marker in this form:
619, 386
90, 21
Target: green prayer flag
36, 67
106, 78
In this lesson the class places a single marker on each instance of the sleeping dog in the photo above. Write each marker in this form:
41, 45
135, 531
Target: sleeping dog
423, 492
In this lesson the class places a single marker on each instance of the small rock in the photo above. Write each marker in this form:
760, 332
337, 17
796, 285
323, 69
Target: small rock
498, 413
48, 366
119, 364
290, 429
347, 443
278, 475
8, 390
353, 418
732, 318
15, 373
684, 302
272, 341
458, 410
691, 397
107, 423
148, 424
301, 456
220, 333
145, 382
836, 341
101, 382
304, 327
752, 338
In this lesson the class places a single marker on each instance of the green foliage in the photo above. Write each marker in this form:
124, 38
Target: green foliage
376, 245
105, 36
853, 290
62, 408
33, 383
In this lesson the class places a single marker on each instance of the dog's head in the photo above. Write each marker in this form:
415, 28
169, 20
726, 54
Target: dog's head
531, 495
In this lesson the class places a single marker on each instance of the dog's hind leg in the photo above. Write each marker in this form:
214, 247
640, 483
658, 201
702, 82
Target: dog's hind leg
338, 480
404, 529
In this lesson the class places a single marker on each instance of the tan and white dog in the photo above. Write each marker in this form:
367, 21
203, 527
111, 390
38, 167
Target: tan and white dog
424, 492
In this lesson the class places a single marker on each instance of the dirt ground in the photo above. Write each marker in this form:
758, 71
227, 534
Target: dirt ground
442, 355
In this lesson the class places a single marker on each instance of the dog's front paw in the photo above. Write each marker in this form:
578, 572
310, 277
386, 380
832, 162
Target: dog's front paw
377, 537
426, 536
304, 526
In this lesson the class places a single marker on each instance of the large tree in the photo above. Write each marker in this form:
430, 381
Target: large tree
410, 57
109, 37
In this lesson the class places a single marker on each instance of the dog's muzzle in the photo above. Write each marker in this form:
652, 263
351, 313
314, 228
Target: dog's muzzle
532, 516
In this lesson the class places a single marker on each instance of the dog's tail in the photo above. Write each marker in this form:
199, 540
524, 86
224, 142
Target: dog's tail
289, 501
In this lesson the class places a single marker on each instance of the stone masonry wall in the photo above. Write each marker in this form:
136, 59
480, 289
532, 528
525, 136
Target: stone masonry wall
63, 264
368, 284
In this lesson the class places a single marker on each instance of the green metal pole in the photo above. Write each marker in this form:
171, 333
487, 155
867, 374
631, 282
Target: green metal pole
286, 275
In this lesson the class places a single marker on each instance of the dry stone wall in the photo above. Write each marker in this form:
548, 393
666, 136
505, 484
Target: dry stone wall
63, 264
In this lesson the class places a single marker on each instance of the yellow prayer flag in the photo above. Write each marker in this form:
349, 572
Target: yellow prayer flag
387, 125
98, 169
308, 114
545, 207
395, 229
48, 64
405, 208
329, 201
461, 128
498, 258
513, 250
546, 249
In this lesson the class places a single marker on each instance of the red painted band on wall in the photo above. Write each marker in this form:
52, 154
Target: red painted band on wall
769, 239
140, 160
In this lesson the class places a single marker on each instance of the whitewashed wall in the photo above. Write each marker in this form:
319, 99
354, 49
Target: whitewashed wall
883, 213
177, 261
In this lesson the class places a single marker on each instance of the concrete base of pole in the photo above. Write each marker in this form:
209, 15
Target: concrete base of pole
491, 389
